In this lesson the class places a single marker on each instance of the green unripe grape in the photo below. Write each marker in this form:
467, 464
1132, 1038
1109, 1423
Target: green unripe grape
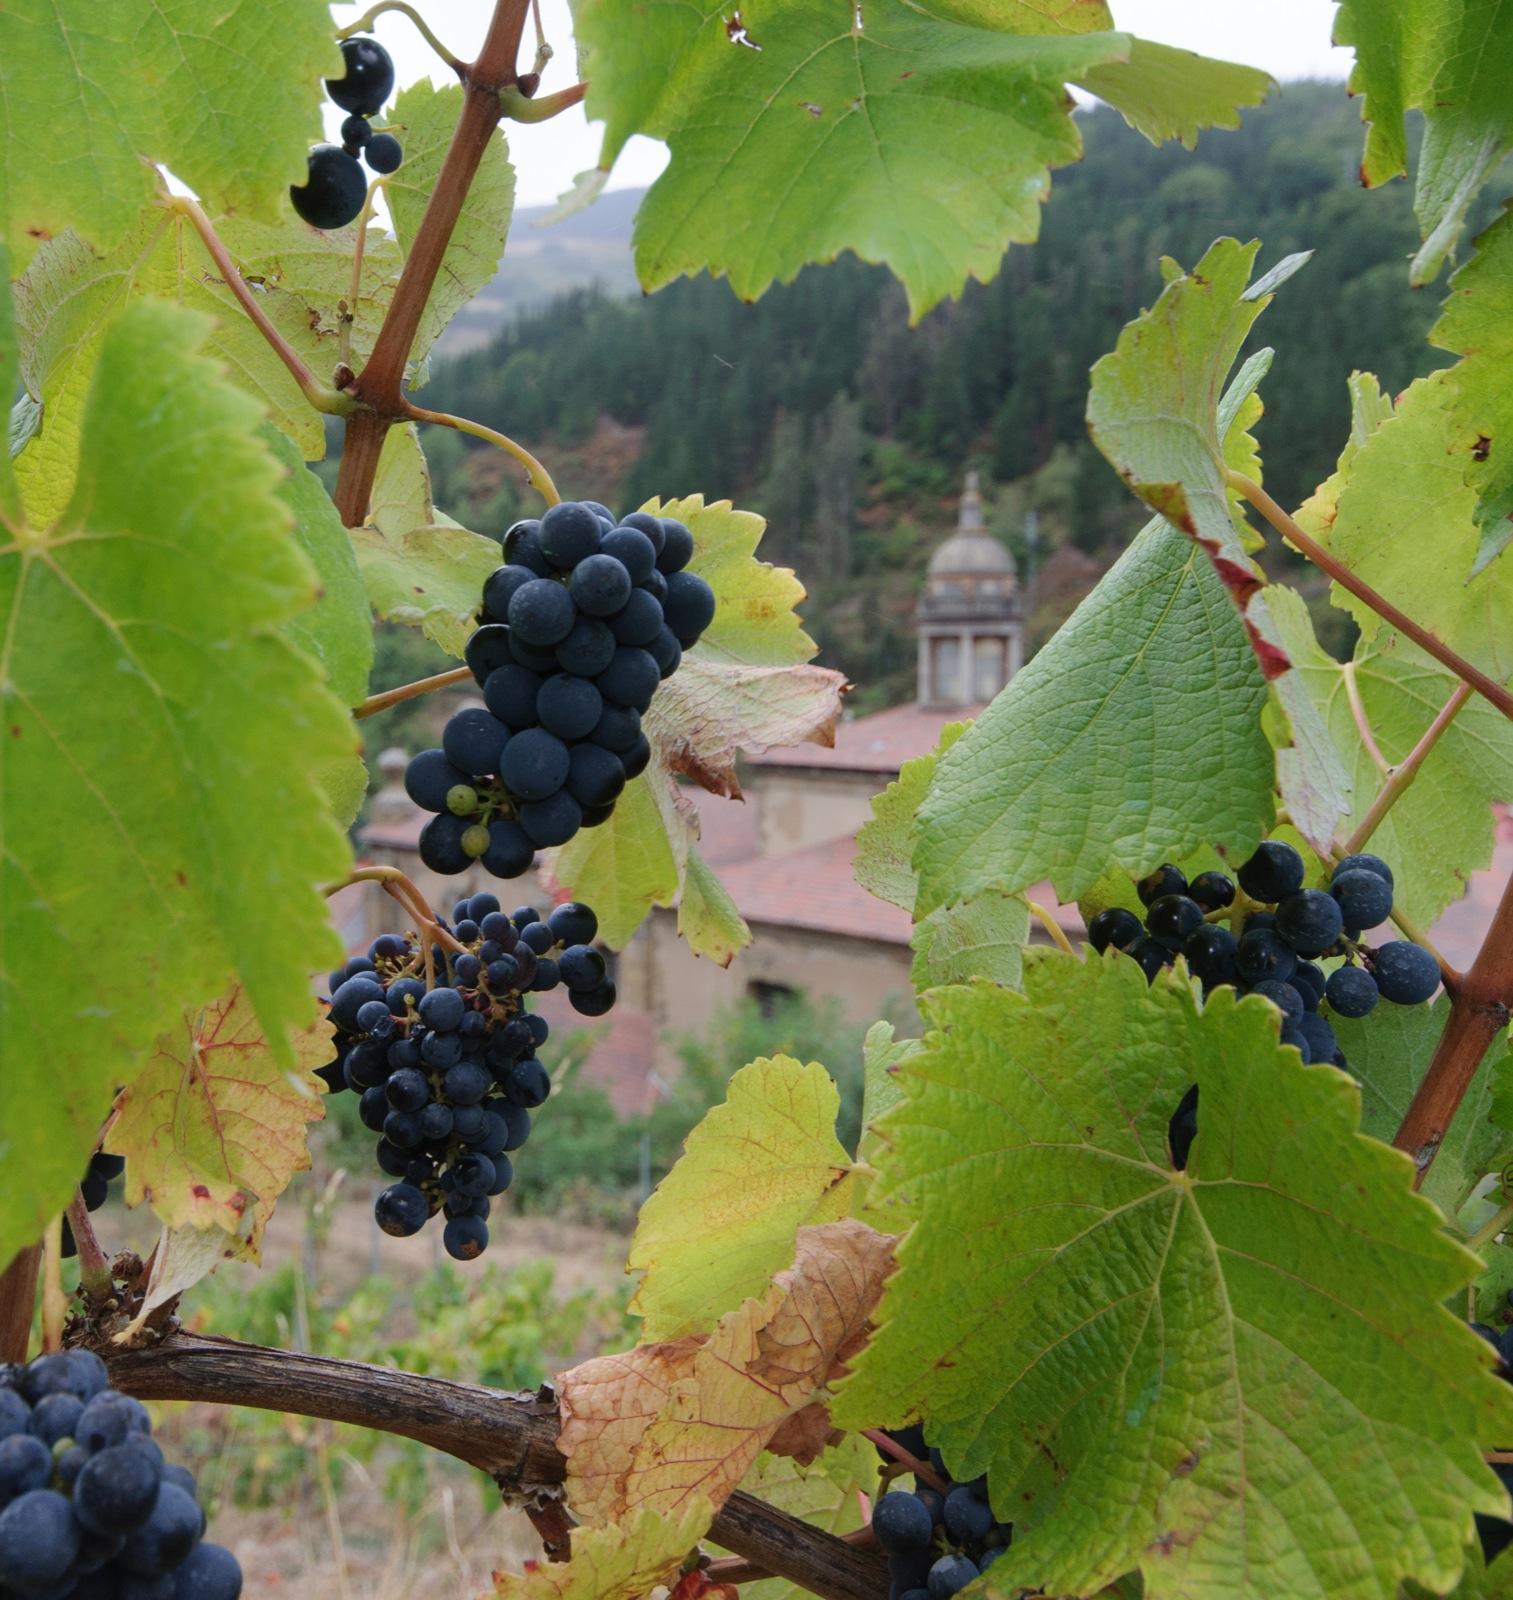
462, 799
476, 840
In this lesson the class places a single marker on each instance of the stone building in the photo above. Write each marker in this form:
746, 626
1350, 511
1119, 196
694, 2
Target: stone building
785, 853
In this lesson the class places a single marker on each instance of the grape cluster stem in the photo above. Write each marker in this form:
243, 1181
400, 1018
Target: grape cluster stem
94, 1269
410, 691
535, 474
510, 1436
364, 24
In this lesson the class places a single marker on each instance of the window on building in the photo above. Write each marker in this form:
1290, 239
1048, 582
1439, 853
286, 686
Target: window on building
769, 997
945, 670
990, 668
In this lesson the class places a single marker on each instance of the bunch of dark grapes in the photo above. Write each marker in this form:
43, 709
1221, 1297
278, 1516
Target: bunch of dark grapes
88, 1508
1496, 1533
1268, 939
449, 1075
579, 627
937, 1542
335, 186
101, 1172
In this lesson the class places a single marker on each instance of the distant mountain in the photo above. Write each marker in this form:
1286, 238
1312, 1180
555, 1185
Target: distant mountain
588, 250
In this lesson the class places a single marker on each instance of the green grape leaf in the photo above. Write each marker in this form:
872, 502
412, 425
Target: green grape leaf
1370, 406
147, 692
420, 569
1154, 411
1166, 93
1240, 1378
746, 685
811, 131
887, 841
1441, 828
1134, 737
427, 118
882, 1054
1416, 502
825, 1493
338, 629
982, 936
1495, 1284
762, 1164
10, 500
1452, 60
707, 917
1388, 1052
230, 105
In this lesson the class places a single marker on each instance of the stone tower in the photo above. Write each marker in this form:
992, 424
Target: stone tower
970, 619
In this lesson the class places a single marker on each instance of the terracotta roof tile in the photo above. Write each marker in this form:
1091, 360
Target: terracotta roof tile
879, 743
814, 888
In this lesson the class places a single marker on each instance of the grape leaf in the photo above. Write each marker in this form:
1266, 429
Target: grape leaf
886, 843
1154, 411
230, 105
761, 1165
1441, 827
982, 936
708, 918
420, 568
882, 1053
824, 1493
746, 685
1452, 60
665, 1422
427, 118
1388, 1052
147, 694
1240, 1378
1166, 93
180, 1259
625, 1561
808, 131
1134, 737
338, 629
10, 502
1412, 504
213, 1127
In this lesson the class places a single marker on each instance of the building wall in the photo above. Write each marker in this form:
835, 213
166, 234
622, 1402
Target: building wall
800, 806
684, 993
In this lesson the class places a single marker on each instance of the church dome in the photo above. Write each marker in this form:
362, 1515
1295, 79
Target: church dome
971, 555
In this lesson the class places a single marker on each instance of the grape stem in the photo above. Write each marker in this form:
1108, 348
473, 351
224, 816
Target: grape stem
921, 1469
1482, 996
18, 1302
364, 24
535, 474
522, 108
94, 1269
410, 691
321, 396
1051, 926
1399, 777
1384, 608
1448, 975
513, 1437
411, 900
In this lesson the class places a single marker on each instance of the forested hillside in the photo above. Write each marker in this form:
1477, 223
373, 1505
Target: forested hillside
822, 409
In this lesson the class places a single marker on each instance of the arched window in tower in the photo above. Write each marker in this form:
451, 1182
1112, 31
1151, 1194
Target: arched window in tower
945, 671
990, 668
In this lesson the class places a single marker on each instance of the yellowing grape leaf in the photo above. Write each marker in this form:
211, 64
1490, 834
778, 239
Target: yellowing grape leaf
153, 712
664, 1423
798, 131
746, 685
1415, 502
707, 916
230, 104
213, 1127
825, 1493
420, 568
1240, 1378
627, 1560
761, 1165
1441, 827
426, 118
180, 1259
1154, 412
1452, 60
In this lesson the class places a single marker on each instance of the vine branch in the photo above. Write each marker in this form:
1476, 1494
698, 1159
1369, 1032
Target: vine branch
410, 691
535, 474
94, 1269
320, 396
1384, 608
512, 1437
1478, 1013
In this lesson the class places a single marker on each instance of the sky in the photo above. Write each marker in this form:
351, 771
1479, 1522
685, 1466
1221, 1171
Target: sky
1289, 38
